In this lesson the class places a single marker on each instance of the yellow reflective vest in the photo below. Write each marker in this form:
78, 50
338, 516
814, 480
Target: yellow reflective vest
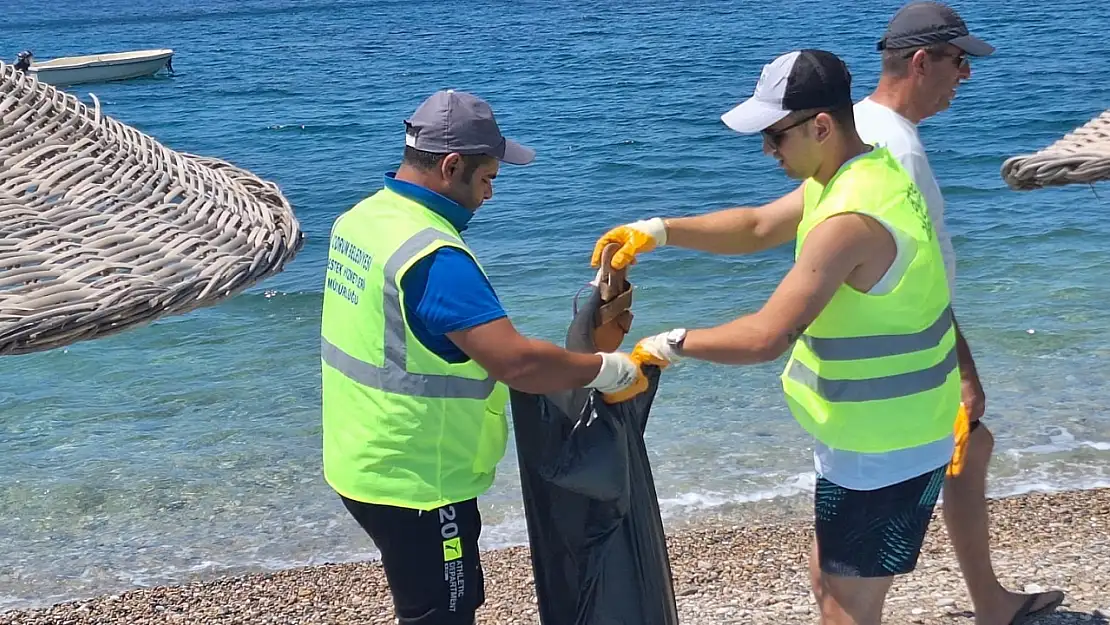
877, 373
401, 426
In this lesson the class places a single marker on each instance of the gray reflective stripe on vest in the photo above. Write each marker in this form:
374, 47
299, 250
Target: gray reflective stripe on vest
861, 347
392, 377
886, 387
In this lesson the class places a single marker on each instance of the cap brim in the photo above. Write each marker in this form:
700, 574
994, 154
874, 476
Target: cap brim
973, 45
516, 154
752, 115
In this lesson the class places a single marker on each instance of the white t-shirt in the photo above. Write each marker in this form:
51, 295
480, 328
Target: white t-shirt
880, 126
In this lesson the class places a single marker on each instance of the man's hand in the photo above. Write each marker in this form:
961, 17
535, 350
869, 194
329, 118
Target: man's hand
618, 372
972, 395
658, 348
639, 382
636, 237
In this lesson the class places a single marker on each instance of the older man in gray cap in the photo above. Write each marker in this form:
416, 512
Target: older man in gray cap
925, 58
417, 352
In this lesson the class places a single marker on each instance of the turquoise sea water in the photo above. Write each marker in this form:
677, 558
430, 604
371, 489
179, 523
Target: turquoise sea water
191, 447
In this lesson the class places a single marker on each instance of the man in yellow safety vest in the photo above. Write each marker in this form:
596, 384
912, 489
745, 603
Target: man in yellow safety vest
417, 357
865, 309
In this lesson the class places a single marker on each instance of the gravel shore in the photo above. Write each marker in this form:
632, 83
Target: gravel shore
723, 574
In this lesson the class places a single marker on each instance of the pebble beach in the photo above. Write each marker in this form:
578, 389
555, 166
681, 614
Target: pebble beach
723, 573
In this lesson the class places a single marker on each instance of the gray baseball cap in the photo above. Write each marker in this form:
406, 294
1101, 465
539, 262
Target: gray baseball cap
456, 121
924, 23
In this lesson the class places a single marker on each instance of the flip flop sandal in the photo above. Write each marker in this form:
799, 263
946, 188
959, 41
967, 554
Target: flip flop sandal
1025, 616
614, 318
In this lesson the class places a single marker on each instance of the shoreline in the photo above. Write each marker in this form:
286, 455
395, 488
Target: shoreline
723, 573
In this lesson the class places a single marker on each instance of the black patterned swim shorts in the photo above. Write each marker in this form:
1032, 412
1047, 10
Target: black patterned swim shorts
874, 533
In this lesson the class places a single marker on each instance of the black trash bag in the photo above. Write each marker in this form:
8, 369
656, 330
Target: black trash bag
599, 555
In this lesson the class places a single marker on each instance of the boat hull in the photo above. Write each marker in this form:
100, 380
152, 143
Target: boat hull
101, 70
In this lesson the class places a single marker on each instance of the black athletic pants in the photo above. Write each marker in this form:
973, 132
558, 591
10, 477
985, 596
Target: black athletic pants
430, 559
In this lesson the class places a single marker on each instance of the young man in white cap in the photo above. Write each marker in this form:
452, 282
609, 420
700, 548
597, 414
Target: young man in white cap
865, 309
925, 52
416, 354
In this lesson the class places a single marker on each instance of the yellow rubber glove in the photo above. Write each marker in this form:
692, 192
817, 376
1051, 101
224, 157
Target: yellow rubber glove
962, 430
636, 237
641, 357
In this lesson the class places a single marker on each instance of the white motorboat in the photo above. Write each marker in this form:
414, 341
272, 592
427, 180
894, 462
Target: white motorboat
75, 70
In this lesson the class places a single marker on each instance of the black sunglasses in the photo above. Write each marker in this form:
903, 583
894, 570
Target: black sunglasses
775, 137
959, 59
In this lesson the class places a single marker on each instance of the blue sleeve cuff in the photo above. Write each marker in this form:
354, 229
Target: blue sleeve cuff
474, 322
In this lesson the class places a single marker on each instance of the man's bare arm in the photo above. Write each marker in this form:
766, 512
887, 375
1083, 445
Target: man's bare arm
832, 252
740, 230
971, 391
963, 354
525, 364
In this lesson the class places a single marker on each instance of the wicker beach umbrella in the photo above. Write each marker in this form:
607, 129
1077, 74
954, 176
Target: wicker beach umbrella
103, 229
1081, 156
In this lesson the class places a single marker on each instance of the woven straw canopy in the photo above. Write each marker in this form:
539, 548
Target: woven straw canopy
103, 229
1081, 156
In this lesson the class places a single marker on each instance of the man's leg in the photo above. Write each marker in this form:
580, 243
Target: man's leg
965, 515
847, 600
864, 539
430, 559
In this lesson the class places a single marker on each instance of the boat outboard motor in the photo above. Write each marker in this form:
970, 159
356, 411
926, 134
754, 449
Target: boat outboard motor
23, 60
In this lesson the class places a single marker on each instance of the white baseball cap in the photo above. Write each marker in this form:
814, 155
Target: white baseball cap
795, 81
